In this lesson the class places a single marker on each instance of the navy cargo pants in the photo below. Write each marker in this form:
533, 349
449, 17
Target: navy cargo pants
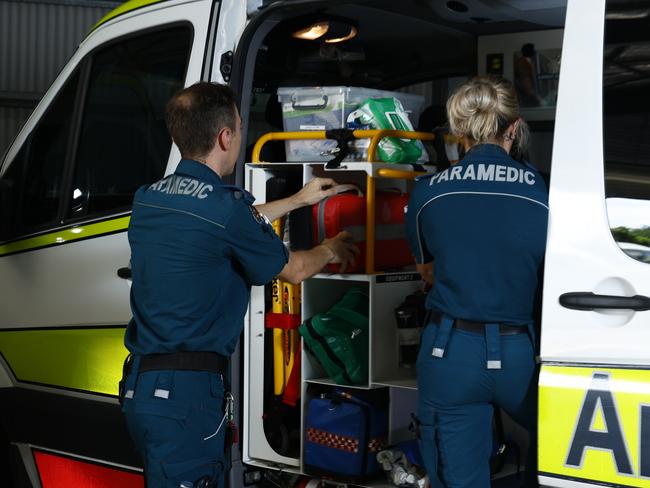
456, 394
176, 419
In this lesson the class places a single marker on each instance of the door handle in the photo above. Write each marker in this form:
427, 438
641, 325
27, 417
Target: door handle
585, 300
124, 273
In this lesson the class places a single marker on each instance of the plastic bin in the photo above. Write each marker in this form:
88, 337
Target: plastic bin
327, 107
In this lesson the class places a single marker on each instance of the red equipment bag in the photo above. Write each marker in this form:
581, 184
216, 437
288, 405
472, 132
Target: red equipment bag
347, 211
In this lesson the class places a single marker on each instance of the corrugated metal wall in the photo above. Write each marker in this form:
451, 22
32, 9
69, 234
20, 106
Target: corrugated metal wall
36, 40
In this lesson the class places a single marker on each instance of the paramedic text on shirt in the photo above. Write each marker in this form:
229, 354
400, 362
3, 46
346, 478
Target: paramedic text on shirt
481, 225
197, 247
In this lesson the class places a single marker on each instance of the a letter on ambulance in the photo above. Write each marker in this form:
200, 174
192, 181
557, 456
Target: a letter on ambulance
601, 425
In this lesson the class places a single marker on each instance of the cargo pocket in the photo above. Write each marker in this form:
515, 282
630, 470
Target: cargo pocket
163, 408
160, 421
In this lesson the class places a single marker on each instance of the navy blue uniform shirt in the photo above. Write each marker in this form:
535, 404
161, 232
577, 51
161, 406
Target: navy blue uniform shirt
483, 223
197, 246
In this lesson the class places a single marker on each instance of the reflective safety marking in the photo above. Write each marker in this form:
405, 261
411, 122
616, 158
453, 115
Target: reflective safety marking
64, 472
84, 359
71, 234
126, 7
594, 425
160, 393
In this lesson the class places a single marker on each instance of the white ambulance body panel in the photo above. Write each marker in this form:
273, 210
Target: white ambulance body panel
581, 254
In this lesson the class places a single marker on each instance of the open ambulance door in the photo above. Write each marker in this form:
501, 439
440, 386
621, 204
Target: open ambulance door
67, 186
594, 386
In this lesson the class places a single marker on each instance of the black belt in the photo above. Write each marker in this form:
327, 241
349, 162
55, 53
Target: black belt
185, 361
479, 327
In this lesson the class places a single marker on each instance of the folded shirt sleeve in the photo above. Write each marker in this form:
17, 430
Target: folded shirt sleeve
254, 245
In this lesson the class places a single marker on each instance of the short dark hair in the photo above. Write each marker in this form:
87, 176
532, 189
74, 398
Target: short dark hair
196, 114
528, 50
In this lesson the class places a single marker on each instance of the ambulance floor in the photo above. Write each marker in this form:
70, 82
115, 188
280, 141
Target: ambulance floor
511, 481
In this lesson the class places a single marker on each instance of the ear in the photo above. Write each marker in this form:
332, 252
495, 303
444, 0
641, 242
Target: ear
514, 128
224, 139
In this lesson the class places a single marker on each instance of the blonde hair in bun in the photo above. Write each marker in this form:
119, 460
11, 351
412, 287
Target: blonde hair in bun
483, 108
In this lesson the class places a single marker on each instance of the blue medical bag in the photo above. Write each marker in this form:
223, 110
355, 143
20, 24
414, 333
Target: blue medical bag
344, 433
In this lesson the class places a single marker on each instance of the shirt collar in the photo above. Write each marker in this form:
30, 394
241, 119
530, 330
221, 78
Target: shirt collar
481, 151
200, 171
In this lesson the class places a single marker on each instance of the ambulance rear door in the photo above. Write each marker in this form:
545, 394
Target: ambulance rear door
594, 386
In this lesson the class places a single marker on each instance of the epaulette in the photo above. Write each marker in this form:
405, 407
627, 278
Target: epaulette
239, 193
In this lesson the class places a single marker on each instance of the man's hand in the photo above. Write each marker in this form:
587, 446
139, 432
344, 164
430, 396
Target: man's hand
344, 251
315, 191
312, 192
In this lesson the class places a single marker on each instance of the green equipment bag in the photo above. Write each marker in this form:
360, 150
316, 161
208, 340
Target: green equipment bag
387, 113
338, 338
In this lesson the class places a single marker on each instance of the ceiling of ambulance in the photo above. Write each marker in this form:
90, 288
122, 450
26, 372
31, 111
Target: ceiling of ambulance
398, 43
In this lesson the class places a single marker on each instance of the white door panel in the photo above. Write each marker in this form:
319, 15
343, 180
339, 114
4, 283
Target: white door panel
581, 254
67, 285
75, 283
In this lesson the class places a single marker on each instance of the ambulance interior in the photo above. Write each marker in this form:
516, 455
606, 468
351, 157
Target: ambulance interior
418, 47
415, 46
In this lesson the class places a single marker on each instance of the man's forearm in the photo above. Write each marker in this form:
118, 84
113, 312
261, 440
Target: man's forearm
305, 264
278, 208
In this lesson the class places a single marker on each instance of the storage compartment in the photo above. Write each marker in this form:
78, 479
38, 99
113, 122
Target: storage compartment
326, 108
388, 293
319, 295
384, 292
343, 431
396, 404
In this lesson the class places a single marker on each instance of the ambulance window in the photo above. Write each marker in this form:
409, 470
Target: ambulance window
31, 187
626, 125
123, 141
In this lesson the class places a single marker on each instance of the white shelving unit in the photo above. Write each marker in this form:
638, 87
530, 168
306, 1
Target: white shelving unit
385, 290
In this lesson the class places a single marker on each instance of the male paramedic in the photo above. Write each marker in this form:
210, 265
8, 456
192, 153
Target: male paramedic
481, 226
197, 247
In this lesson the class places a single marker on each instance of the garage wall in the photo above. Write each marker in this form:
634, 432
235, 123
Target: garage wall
36, 40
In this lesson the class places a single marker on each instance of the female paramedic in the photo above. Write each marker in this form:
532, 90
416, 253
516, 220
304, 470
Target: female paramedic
481, 226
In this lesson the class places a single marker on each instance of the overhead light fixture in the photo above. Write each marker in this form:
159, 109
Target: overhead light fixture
627, 14
329, 31
459, 7
352, 33
312, 32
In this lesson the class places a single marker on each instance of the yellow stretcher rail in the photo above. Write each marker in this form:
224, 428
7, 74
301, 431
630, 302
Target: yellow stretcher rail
375, 137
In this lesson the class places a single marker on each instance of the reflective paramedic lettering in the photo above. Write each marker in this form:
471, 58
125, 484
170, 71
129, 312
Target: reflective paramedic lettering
485, 172
179, 185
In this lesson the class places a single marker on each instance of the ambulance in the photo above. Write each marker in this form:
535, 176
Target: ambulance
67, 182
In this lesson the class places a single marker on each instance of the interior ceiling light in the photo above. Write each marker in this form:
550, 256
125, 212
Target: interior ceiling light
352, 32
312, 32
627, 14
330, 31
459, 7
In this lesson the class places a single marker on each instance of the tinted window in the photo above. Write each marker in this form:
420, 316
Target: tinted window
31, 187
123, 141
626, 124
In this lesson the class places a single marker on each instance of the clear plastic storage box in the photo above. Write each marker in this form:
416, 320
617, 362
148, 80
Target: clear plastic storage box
327, 107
